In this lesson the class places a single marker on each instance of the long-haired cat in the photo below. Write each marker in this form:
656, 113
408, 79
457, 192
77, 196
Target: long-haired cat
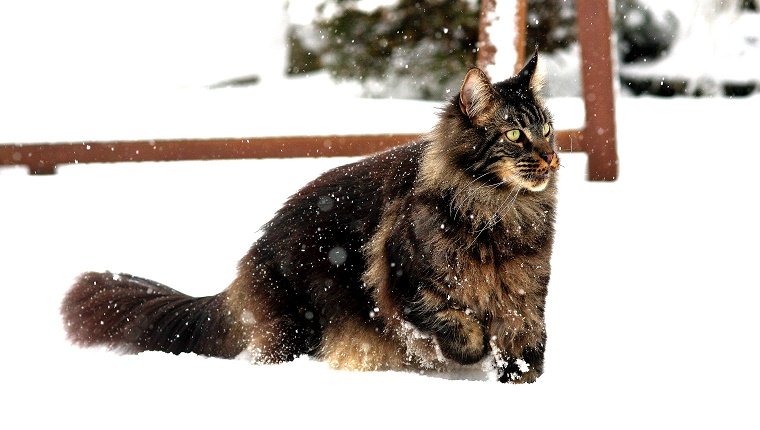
433, 255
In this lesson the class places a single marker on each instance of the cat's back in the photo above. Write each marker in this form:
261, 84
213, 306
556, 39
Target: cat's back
333, 216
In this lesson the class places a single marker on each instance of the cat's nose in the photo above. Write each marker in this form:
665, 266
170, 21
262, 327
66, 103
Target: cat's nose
547, 157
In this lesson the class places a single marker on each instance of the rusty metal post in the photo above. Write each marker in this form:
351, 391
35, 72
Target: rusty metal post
486, 48
521, 33
598, 138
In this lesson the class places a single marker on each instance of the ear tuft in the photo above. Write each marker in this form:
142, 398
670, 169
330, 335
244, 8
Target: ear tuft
530, 75
476, 95
538, 79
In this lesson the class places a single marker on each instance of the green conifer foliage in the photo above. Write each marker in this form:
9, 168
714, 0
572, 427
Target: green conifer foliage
413, 48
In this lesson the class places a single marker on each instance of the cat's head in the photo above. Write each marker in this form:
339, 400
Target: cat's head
510, 131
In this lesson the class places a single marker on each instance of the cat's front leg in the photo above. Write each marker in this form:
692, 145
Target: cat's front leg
459, 334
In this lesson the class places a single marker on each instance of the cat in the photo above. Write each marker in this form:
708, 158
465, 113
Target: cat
432, 256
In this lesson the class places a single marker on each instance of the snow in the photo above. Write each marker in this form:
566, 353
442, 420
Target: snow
714, 43
227, 112
136, 43
562, 70
651, 313
201, 113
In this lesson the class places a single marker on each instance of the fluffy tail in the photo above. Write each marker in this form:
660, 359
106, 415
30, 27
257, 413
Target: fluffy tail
132, 314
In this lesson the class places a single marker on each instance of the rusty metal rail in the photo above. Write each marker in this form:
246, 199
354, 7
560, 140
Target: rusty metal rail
596, 138
44, 158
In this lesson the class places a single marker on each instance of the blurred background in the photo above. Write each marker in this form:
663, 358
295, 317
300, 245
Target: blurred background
664, 48
376, 48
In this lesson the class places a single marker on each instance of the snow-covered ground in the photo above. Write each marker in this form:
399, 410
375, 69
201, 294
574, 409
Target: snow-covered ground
652, 310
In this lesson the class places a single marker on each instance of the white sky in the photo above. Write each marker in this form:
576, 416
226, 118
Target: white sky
69, 43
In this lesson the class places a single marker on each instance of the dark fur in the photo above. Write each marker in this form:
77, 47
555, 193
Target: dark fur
431, 255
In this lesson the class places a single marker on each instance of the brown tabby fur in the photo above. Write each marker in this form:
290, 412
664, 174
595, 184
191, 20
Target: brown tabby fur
433, 255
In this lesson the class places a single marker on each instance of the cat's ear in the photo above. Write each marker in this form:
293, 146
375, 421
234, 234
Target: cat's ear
529, 76
476, 95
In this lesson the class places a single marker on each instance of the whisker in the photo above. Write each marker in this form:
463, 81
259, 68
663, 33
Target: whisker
499, 214
457, 203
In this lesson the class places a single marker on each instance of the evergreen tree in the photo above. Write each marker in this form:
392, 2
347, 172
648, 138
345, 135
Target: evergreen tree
413, 48
641, 35
551, 25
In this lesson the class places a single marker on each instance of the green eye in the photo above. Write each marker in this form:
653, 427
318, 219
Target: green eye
513, 135
547, 129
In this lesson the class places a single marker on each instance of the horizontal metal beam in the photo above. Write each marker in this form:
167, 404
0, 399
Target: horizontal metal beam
44, 158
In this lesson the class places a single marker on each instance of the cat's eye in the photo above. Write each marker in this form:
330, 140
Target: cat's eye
547, 129
513, 135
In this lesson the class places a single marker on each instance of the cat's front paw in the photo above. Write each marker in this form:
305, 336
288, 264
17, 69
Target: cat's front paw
463, 351
462, 340
516, 371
